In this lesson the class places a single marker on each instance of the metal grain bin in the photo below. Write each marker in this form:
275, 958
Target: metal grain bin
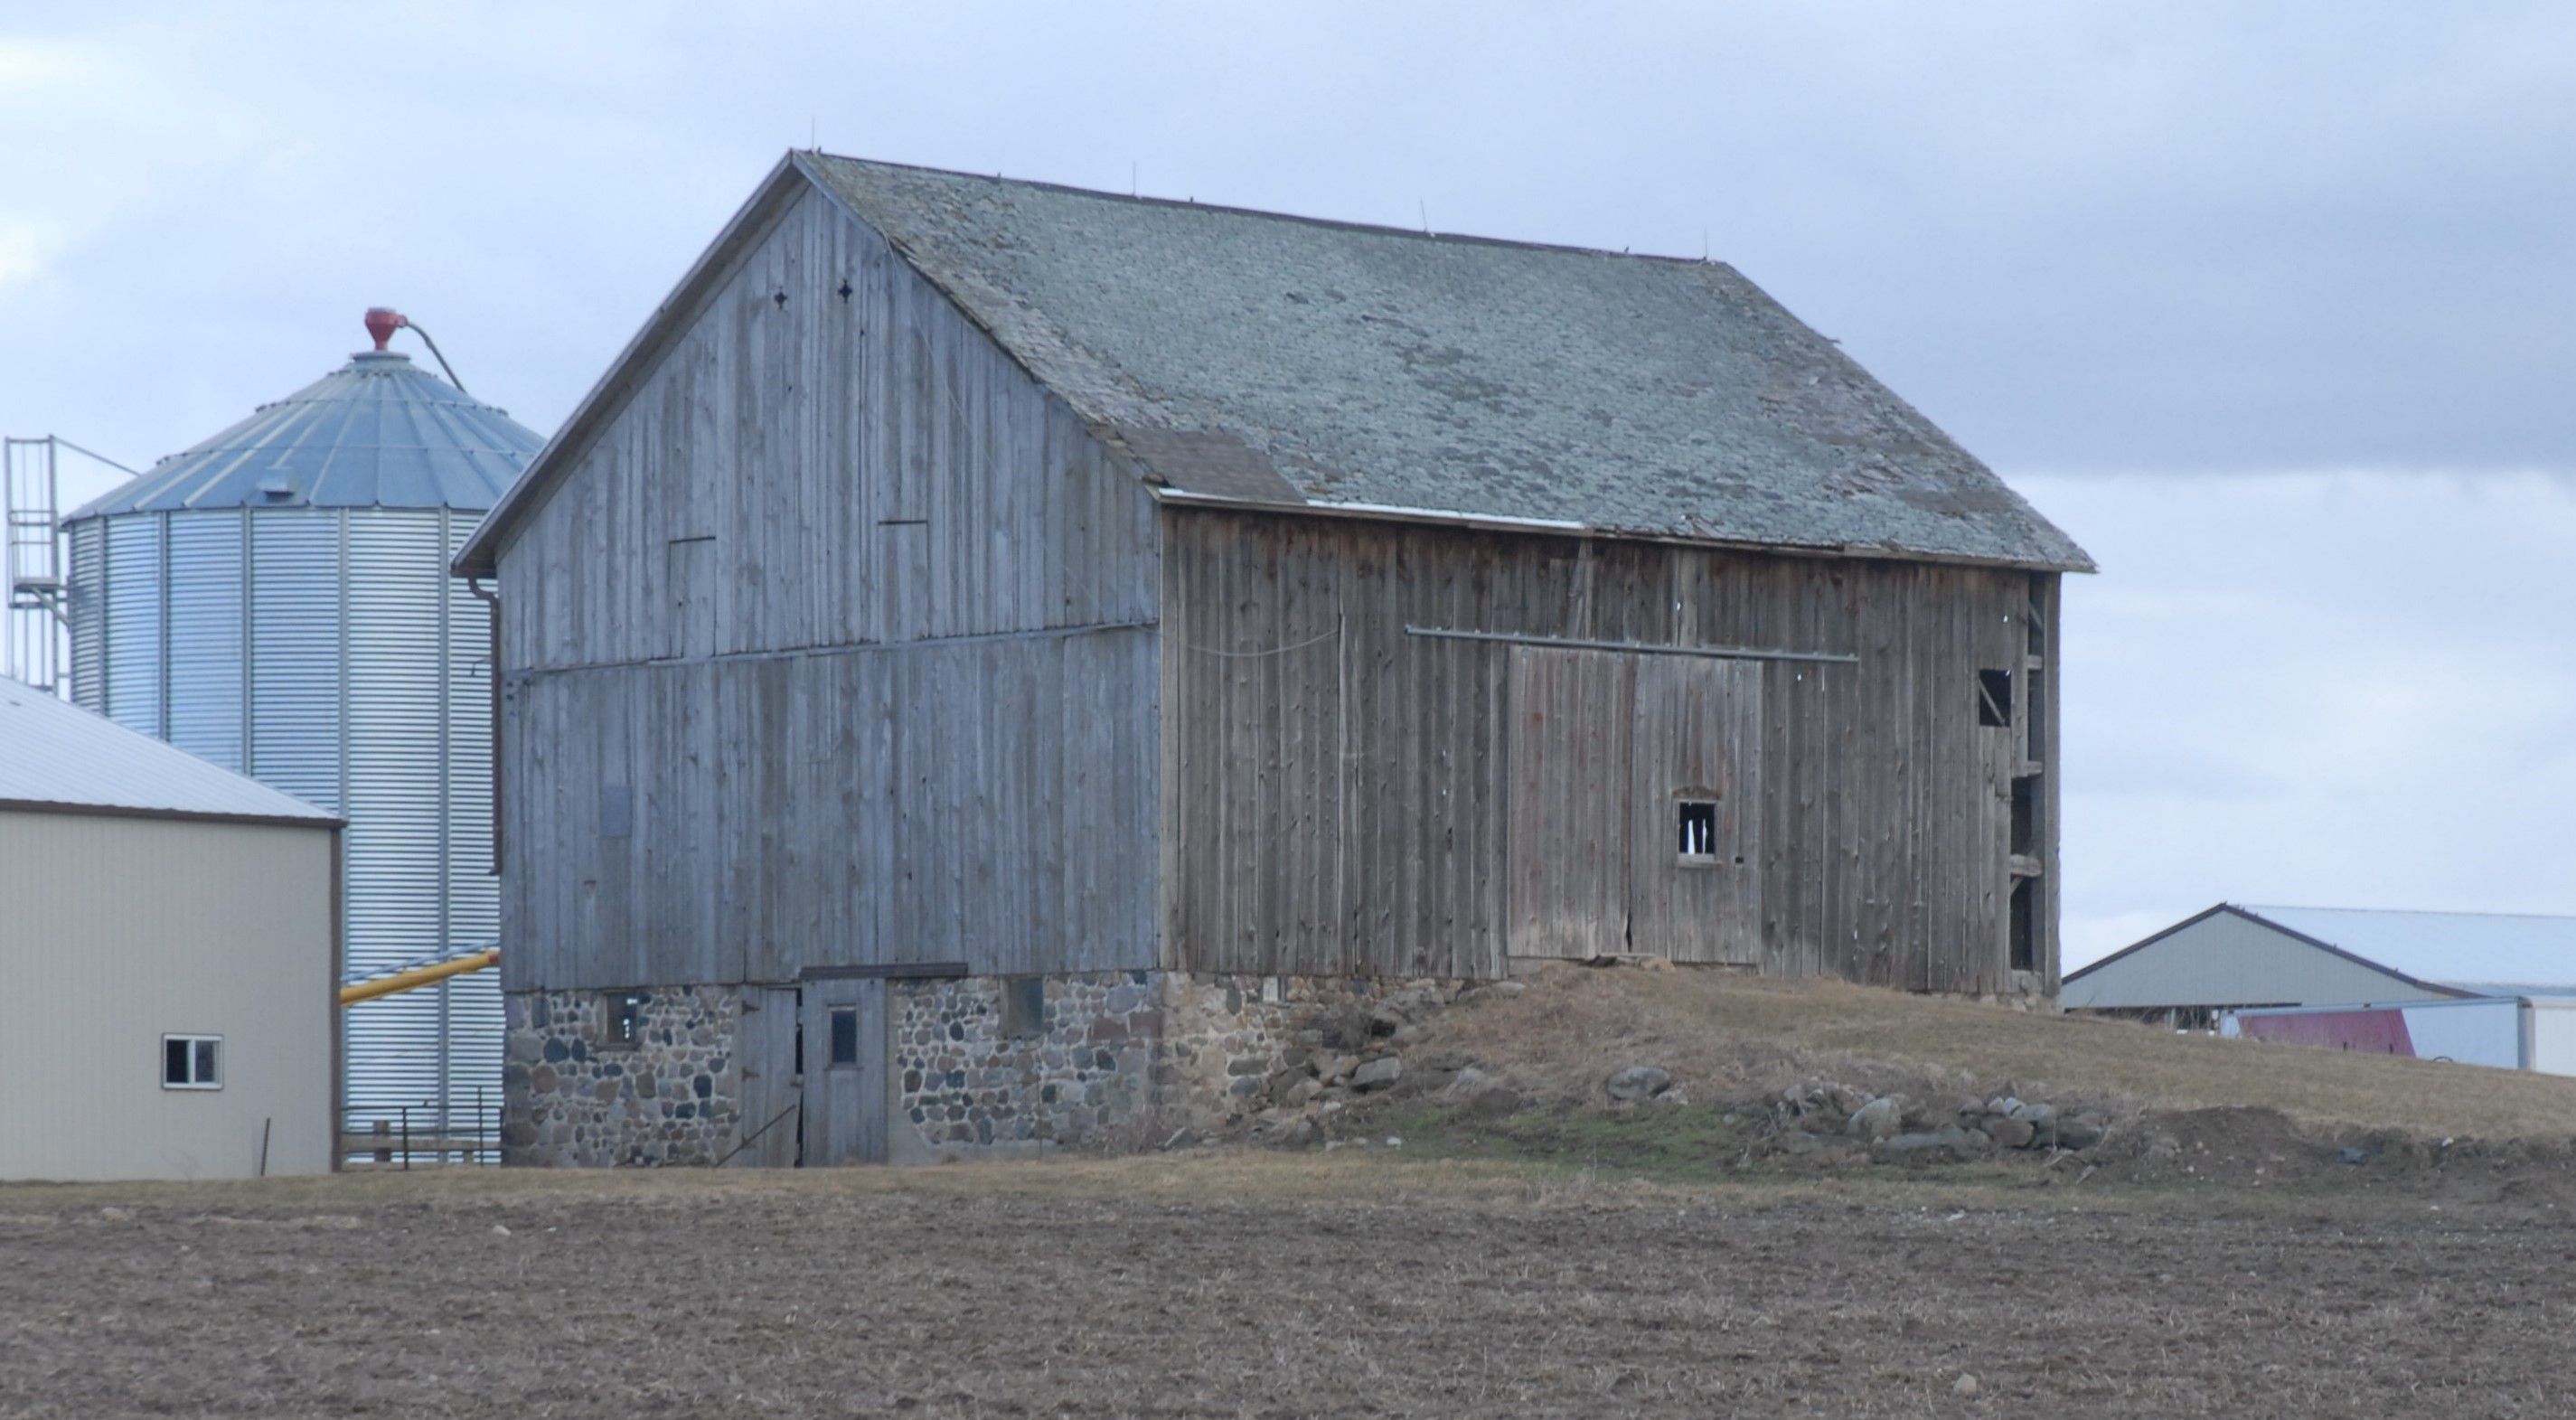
276, 600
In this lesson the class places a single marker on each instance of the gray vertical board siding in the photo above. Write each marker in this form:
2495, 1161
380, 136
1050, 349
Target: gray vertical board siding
986, 800
860, 617
1883, 813
858, 469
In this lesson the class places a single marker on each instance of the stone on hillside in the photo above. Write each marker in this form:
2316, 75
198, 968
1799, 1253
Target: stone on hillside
1949, 1141
2011, 1133
1377, 1074
1490, 1101
2079, 1132
1637, 1082
2040, 1115
1508, 988
1876, 1120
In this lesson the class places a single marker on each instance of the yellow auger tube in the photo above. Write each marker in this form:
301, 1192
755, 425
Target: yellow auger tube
418, 976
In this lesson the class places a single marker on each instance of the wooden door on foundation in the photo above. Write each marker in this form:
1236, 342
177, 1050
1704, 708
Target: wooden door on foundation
1695, 837
845, 1071
772, 1079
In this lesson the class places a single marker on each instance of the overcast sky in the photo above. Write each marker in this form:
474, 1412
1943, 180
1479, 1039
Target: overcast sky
2271, 305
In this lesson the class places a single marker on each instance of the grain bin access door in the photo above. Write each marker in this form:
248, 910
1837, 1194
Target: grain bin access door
1635, 805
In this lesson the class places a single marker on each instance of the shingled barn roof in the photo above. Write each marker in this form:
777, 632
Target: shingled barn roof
1288, 361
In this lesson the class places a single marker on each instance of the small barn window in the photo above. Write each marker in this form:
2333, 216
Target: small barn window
844, 1022
1023, 1007
625, 1017
192, 1062
1994, 697
1698, 828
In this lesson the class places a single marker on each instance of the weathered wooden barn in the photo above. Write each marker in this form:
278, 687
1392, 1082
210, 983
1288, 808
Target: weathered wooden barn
989, 654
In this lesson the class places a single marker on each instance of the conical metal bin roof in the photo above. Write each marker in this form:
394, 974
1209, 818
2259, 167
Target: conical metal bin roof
376, 433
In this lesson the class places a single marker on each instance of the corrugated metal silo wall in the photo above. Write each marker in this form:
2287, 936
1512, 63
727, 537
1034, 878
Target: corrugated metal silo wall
327, 653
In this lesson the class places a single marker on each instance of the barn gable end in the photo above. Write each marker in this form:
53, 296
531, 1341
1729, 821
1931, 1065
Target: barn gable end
771, 631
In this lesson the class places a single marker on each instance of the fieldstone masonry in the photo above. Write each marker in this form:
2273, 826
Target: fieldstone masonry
1079, 1072
572, 1096
1108, 1060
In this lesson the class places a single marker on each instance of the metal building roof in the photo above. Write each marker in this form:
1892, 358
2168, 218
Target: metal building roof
2483, 952
375, 433
55, 755
1289, 361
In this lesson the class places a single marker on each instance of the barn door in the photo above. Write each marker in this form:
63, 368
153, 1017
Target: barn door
845, 1071
1568, 836
1695, 846
772, 1084
1635, 808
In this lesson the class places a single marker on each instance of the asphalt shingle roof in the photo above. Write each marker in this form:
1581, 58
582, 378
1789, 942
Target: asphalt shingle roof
1283, 359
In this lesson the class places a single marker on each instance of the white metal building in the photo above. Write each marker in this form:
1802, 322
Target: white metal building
2235, 957
276, 600
168, 958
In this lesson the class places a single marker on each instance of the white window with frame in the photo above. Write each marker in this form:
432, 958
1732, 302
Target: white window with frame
192, 1062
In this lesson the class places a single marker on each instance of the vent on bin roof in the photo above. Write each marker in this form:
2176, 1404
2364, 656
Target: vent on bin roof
376, 433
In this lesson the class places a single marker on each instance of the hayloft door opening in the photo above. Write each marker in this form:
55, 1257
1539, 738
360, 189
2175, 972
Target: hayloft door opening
845, 1071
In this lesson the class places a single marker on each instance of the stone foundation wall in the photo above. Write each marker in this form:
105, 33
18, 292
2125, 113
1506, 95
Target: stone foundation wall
1108, 1061
1080, 1074
572, 1096
1229, 1040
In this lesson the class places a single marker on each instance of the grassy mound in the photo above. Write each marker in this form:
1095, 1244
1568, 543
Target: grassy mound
1766, 1072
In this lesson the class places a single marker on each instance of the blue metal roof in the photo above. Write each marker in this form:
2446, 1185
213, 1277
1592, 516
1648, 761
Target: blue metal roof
375, 433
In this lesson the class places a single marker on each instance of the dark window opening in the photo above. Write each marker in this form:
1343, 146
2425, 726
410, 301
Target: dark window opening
2025, 815
1994, 697
1024, 1007
2032, 719
1698, 828
845, 1035
2025, 925
625, 1017
192, 1062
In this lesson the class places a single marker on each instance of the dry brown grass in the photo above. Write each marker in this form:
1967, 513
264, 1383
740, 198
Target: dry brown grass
1722, 1035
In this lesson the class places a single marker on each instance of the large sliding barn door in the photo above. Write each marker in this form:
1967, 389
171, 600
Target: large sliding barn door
1695, 841
1635, 809
1569, 858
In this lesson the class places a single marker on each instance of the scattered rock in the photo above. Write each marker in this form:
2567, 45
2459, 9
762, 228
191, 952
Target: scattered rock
1637, 1082
1377, 1074
116, 1215
1490, 1101
500, 1230
1964, 1385
2352, 1155
1300, 1134
2081, 1131
2038, 1116
2011, 1133
1876, 1120
1949, 1141
1508, 989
